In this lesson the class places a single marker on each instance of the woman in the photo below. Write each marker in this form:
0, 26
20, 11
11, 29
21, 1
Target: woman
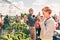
38, 28
47, 26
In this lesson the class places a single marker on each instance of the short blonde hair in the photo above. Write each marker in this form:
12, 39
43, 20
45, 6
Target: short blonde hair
47, 9
30, 9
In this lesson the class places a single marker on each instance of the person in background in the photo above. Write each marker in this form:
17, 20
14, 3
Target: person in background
56, 21
59, 21
18, 19
38, 28
31, 22
59, 17
25, 18
55, 17
1, 24
47, 26
6, 22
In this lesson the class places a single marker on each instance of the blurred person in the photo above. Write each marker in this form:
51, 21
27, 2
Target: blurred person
18, 19
25, 18
1, 24
38, 14
6, 22
42, 18
59, 21
56, 21
55, 18
38, 28
31, 22
47, 26
59, 17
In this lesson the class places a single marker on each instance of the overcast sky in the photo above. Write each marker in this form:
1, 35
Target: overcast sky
37, 5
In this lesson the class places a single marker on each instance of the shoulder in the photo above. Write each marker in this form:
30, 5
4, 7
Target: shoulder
51, 20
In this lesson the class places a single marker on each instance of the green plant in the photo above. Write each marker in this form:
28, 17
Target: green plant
16, 36
21, 32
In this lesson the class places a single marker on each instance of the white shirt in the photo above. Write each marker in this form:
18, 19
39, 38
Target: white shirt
48, 30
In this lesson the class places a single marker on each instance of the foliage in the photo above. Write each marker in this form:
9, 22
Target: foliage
22, 15
21, 32
16, 36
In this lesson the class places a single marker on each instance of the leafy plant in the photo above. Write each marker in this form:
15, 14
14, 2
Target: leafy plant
16, 36
21, 32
